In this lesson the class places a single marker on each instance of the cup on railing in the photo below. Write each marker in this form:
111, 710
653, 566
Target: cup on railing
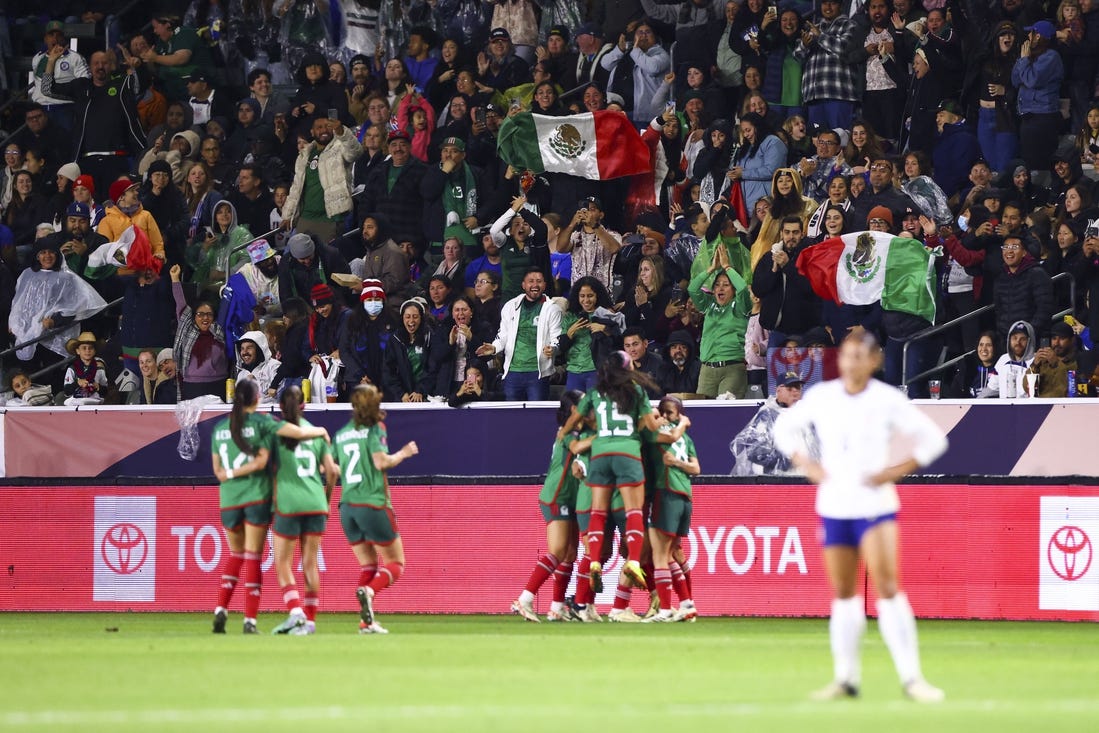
935, 387
1031, 384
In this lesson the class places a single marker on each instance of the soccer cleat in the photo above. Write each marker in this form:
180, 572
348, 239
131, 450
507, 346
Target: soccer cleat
623, 616
372, 628
632, 570
220, 617
250, 627
589, 615
292, 622
664, 617
365, 594
559, 616
834, 690
307, 629
595, 575
920, 690
687, 612
526, 610
654, 605
568, 613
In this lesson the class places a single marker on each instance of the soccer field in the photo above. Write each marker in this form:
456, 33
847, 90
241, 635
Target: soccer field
154, 672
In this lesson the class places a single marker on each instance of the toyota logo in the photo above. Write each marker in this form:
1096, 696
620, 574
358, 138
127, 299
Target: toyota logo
124, 548
1069, 553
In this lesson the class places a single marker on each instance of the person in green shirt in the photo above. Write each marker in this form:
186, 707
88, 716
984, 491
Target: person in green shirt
725, 301
178, 52
722, 234
366, 512
558, 502
589, 330
241, 446
301, 514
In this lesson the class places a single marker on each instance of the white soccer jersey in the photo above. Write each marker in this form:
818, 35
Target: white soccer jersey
853, 435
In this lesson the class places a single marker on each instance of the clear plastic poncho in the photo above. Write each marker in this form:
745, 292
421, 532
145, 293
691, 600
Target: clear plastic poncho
188, 413
753, 448
44, 293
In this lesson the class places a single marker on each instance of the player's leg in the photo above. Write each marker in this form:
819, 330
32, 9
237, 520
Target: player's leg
310, 552
848, 619
284, 542
230, 575
255, 535
633, 498
563, 573
556, 535
895, 618
389, 572
662, 575
597, 524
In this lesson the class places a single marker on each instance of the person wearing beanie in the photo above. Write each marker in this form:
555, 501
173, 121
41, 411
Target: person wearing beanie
364, 340
83, 191
124, 210
71, 171
166, 390
880, 219
306, 263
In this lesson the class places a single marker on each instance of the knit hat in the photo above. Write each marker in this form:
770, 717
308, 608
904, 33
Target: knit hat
358, 59
164, 355
78, 209
70, 171
880, 212
372, 289
260, 250
86, 181
250, 102
301, 246
120, 187
160, 166
321, 295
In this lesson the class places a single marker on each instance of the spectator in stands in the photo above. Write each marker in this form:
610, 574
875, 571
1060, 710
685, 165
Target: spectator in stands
166, 204
786, 201
713, 160
317, 97
76, 240
293, 347
881, 192
252, 292
200, 349
586, 65
956, 149
863, 146
726, 304
406, 374
249, 127
327, 323
818, 172
828, 83
521, 239
126, 212
490, 261
997, 125
271, 102
375, 256
1053, 363
148, 316
256, 362
679, 374
251, 199
43, 134
592, 245
1038, 75
443, 83
882, 50
636, 72
1006, 379
145, 394
453, 346
106, 129
392, 188
753, 448
645, 360
26, 209
487, 303
420, 61
217, 251
761, 154
309, 263
498, 66
71, 66
366, 337
590, 330
178, 53
320, 196
1023, 291
452, 186
167, 388
788, 305
205, 100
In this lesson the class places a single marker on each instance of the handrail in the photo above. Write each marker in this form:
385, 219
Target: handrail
15, 132
945, 365
934, 330
16, 97
56, 329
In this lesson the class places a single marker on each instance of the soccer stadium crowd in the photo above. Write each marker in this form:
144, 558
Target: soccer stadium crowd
314, 191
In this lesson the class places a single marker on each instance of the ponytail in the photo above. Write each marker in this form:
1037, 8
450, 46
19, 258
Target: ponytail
247, 394
366, 403
291, 403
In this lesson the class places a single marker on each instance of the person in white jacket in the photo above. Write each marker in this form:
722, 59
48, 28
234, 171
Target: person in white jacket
254, 361
324, 163
855, 419
529, 326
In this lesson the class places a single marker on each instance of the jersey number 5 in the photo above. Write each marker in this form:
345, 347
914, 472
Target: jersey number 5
307, 462
612, 423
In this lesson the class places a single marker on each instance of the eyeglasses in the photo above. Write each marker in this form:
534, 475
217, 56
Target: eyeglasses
204, 314
12, 152
881, 167
482, 281
828, 143
878, 222
1010, 247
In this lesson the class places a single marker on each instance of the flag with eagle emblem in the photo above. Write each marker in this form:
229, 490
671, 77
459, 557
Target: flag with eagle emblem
595, 145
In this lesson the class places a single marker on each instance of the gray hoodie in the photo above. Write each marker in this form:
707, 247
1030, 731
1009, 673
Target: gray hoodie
1007, 378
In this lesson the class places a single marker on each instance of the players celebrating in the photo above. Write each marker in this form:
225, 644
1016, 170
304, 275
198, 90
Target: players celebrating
241, 446
855, 418
366, 512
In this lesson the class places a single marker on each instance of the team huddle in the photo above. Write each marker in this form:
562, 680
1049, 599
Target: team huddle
296, 495
615, 458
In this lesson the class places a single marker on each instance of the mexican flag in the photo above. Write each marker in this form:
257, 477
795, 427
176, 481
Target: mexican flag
594, 145
865, 267
131, 252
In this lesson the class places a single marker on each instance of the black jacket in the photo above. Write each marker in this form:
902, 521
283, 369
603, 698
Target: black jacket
431, 189
403, 207
362, 348
121, 98
397, 373
1025, 295
442, 356
671, 378
787, 301
256, 215
296, 281
172, 216
292, 356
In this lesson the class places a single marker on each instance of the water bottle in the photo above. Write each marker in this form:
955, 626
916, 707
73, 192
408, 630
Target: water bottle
1071, 383
1007, 382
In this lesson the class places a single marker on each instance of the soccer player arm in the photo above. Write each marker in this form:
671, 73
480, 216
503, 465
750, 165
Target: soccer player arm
676, 433
581, 445
384, 461
258, 462
572, 423
296, 432
331, 475
689, 466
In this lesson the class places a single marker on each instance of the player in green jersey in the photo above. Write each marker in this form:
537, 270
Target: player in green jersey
671, 514
241, 445
558, 502
301, 514
366, 511
620, 408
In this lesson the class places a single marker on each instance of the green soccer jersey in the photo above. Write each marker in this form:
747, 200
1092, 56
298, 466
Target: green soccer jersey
669, 478
560, 484
580, 359
615, 433
363, 485
255, 488
525, 358
299, 487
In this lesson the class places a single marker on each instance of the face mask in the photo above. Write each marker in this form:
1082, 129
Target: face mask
963, 223
373, 307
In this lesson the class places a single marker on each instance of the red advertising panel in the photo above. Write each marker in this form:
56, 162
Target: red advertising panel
1014, 552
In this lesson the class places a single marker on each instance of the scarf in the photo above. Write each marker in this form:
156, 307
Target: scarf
129, 210
203, 348
85, 371
461, 197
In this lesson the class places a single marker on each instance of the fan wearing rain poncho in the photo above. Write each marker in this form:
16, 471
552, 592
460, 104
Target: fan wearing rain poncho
753, 447
216, 253
49, 295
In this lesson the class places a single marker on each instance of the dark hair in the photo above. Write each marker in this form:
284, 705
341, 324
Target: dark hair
922, 161
246, 395
792, 220
464, 299
786, 204
533, 270
602, 297
569, 399
290, 402
843, 216
256, 73
670, 399
23, 373
634, 331
872, 150
295, 309
254, 169
619, 383
492, 275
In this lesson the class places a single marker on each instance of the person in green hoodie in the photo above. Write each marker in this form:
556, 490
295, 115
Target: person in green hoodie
722, 234
216, 252
723, 297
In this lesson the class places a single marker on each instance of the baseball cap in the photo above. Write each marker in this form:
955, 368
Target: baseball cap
590, 201
196, 76
55, 25
499, 33
615, 98
1062, 329
1043, 28
454, 142
1019, 328
591, 29
560, 31
77, 208
399, 135
949, 105
789, 379
490, 107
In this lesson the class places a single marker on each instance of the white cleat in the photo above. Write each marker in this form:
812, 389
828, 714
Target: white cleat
373, 628
664, 617
589, 615
559, 616
922, 691
308, 629
686, 612
623, 616
526, 610
834, 691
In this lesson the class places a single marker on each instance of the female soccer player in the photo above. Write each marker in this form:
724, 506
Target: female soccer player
366, 512
558, 502
301, 514
855, 419
240, 446
621, 409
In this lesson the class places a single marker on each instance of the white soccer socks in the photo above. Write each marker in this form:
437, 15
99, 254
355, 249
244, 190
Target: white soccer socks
898, 628
845, 629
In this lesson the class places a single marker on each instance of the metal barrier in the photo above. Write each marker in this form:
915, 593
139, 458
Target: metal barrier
936, 330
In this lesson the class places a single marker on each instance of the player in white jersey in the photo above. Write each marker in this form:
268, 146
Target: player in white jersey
854, 419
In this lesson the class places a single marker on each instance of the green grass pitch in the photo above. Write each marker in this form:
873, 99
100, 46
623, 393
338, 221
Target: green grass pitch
167, 672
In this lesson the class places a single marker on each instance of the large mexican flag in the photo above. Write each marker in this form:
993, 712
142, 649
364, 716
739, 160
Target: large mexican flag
594, 145
865, 267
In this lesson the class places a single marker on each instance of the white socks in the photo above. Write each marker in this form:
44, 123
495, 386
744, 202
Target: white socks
526, 597
845, 628
898, 628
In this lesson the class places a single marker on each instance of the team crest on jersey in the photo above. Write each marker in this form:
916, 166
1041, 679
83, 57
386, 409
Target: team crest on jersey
863, 264
313, 164
567, 141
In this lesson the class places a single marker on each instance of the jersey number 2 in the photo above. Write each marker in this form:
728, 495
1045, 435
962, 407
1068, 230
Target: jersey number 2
350, 474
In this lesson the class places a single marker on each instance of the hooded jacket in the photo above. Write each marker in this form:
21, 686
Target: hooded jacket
263, 373
1007, 367
955, 151
771, 227
221, 257
711, 162
382, 260
671, 378
325, 94
1023, 295
114, 223
334, 170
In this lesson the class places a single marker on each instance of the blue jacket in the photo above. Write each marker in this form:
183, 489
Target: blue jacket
955, 151
760, 167
235, 312
1039, 83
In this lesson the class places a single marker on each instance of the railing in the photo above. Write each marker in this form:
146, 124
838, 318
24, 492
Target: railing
936, 330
